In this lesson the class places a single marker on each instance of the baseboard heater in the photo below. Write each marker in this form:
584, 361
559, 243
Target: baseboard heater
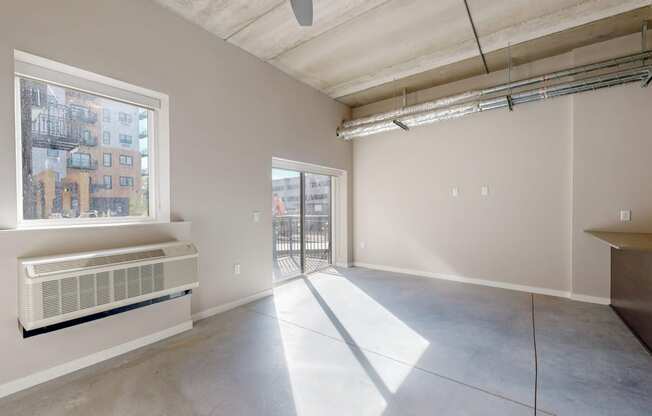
56, 292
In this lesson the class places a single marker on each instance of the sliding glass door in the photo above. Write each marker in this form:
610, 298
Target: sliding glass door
316, 222
301, 212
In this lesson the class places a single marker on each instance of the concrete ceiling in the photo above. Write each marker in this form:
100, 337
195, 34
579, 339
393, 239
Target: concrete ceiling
360, 51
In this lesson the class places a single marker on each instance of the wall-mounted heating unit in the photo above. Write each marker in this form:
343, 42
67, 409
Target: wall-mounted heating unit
58, 289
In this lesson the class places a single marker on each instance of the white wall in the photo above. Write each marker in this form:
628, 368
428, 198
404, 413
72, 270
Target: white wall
554, 169
230, 114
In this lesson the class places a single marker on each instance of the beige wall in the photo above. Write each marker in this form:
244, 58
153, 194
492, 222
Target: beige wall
612, 168
553, 169
405, 214
230, 114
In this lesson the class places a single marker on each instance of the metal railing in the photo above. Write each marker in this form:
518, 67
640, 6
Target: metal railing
316, 239
53, 132
85, 164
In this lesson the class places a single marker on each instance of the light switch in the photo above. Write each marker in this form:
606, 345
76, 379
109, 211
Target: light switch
236, 269
455, 192
625, 215
484, 191
363, 245
256, 216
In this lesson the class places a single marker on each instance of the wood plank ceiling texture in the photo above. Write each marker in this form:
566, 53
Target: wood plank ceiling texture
362, 51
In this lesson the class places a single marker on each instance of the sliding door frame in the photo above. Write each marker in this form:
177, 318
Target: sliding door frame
339, 236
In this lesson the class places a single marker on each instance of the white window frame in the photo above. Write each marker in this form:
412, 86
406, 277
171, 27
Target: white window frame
158, 104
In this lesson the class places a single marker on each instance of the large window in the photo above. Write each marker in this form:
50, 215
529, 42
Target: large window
53, 119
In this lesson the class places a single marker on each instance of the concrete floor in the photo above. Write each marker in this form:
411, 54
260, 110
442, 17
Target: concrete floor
361, 342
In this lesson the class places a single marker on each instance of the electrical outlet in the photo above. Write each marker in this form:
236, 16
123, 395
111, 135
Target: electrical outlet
236, 269
484, 191
363, 245
256, 216
455, 192
625, 215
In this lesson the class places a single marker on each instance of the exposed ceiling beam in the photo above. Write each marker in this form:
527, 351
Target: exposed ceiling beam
475, 35
583, 13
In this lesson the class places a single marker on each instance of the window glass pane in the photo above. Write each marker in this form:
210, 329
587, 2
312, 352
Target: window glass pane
61, 175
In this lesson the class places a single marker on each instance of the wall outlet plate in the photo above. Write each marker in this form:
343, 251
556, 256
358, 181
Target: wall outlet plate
236, 269
484, 191
455, 192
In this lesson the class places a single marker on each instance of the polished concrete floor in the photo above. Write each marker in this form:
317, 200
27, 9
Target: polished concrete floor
362, 342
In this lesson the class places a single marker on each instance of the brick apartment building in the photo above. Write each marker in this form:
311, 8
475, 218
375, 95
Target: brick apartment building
84, 155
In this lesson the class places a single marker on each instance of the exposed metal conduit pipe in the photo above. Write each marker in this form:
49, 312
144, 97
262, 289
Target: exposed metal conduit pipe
346, 129
640, 74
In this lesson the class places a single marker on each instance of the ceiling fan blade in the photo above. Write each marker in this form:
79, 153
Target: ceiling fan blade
302, 11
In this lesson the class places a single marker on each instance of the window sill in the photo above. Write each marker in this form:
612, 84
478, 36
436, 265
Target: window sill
91, 225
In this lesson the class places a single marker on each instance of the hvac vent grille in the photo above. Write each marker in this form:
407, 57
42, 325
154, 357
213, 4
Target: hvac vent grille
120, 284
87, 291
133, 282
51, 298
68, 265
69, 295
74, 293
147, 279
103, 287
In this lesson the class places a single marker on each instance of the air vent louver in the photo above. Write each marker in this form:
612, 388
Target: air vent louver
99, 261
147, 279
69, 295
133, 282
120, 284
103, 285
51, 299
87, 291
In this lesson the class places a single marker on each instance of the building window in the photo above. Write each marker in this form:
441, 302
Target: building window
126, 160
51, 131
80, 161
126, 140
127, 181
125, 118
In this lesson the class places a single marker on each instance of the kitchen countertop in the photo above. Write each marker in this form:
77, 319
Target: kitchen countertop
624, 241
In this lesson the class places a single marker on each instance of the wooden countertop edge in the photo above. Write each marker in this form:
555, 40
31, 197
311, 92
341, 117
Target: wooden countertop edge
624, 240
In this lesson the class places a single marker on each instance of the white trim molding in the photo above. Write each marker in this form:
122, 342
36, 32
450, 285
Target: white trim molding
89, 360
590, 299
231, 305
490, 283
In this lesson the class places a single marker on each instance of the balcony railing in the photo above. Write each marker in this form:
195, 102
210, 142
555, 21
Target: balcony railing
316, 238
84, 164
89, 141
54, 132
